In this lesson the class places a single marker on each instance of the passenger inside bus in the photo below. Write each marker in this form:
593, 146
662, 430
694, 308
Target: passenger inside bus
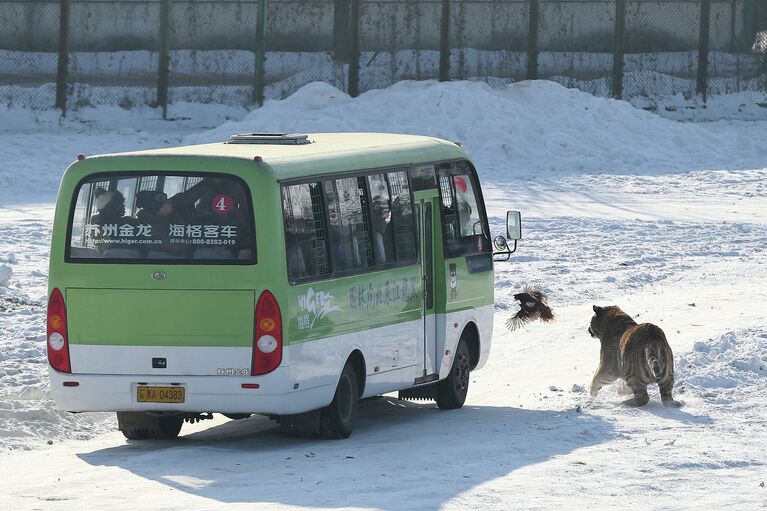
157, 211
383, 242
112, 223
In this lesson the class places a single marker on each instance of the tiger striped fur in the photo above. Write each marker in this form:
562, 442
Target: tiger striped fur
636, 353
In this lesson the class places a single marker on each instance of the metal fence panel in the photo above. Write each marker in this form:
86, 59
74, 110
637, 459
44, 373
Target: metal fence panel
738, 57
399, 40
28, 53
490, 40
116, 47
212, 51
300, 47
576, 44
661, 47
113, 52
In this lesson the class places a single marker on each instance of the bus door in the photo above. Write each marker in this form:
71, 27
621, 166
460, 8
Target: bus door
425, 213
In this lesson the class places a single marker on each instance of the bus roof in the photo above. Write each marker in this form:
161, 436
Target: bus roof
326, 153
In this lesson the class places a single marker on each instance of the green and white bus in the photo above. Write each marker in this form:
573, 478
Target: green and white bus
284, 275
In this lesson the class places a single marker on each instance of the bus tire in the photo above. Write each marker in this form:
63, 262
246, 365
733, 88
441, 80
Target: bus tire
145, 426
451, 392
337, 420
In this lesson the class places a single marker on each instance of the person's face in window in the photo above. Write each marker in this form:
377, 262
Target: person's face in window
118, 209
110, 204
166, 209
381, 211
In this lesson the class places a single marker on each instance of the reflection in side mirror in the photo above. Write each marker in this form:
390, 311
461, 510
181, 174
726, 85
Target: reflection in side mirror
500, 244
513, 225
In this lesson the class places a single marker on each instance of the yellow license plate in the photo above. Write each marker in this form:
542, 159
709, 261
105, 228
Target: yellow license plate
160, 394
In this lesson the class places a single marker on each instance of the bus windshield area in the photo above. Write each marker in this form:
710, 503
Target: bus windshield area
150, 216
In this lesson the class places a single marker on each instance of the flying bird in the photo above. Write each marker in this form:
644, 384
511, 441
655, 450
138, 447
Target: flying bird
533, 305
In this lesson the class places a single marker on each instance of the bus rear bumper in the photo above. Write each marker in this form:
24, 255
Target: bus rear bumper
220, 394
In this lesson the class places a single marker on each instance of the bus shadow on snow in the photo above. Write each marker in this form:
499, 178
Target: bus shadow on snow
401, 455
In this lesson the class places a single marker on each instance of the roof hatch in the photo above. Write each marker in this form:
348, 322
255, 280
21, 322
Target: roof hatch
270, 138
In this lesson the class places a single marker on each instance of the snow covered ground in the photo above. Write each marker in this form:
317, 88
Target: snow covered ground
664, 218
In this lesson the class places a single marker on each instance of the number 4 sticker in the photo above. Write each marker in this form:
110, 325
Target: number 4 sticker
222, 204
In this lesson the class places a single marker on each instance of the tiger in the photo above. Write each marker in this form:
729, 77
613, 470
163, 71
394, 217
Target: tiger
638, 354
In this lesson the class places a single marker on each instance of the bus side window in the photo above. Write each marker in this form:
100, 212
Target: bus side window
306, 239
402, 216
348, 207
381, 220
463, 224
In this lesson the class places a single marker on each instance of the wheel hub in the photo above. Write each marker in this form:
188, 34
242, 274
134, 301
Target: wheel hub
461, 372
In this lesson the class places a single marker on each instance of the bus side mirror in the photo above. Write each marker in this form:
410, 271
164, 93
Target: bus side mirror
513, 225
513, 232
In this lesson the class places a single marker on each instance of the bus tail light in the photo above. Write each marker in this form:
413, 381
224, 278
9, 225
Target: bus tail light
58, 347
267, 341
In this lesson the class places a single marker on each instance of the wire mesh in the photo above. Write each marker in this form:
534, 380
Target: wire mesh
301, 46
661, 44
212, 51
575, 43
114, 47
113, 55
489, 40
399, 40
738, 55
28, 53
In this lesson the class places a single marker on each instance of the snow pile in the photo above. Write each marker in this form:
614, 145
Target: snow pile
518, 130
743, 106
5, 274
727, 366
27, 413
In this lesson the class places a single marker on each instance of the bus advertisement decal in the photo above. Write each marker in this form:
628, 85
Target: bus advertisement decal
314, 305
377, 294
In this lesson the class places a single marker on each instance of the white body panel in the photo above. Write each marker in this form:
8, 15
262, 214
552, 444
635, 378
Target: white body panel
448, 335
390, 355
305, 381
181, 360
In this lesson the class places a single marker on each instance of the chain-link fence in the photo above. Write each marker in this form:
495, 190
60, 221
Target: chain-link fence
304, 43
28, 58
126, 74
74, 53
489, 39
575, 40
399, 40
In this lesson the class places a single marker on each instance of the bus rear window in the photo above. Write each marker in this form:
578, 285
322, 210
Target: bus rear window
158, 217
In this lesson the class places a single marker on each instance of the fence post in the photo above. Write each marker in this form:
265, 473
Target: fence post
258, 85
618, 48
748, 28
444, 43
164, 58
354, 49
62, 72
532, 40
341, 30
703, 44
733, 17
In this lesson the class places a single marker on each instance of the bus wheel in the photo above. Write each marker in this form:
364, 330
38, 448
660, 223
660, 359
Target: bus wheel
143, 426
337, 420
451, 392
